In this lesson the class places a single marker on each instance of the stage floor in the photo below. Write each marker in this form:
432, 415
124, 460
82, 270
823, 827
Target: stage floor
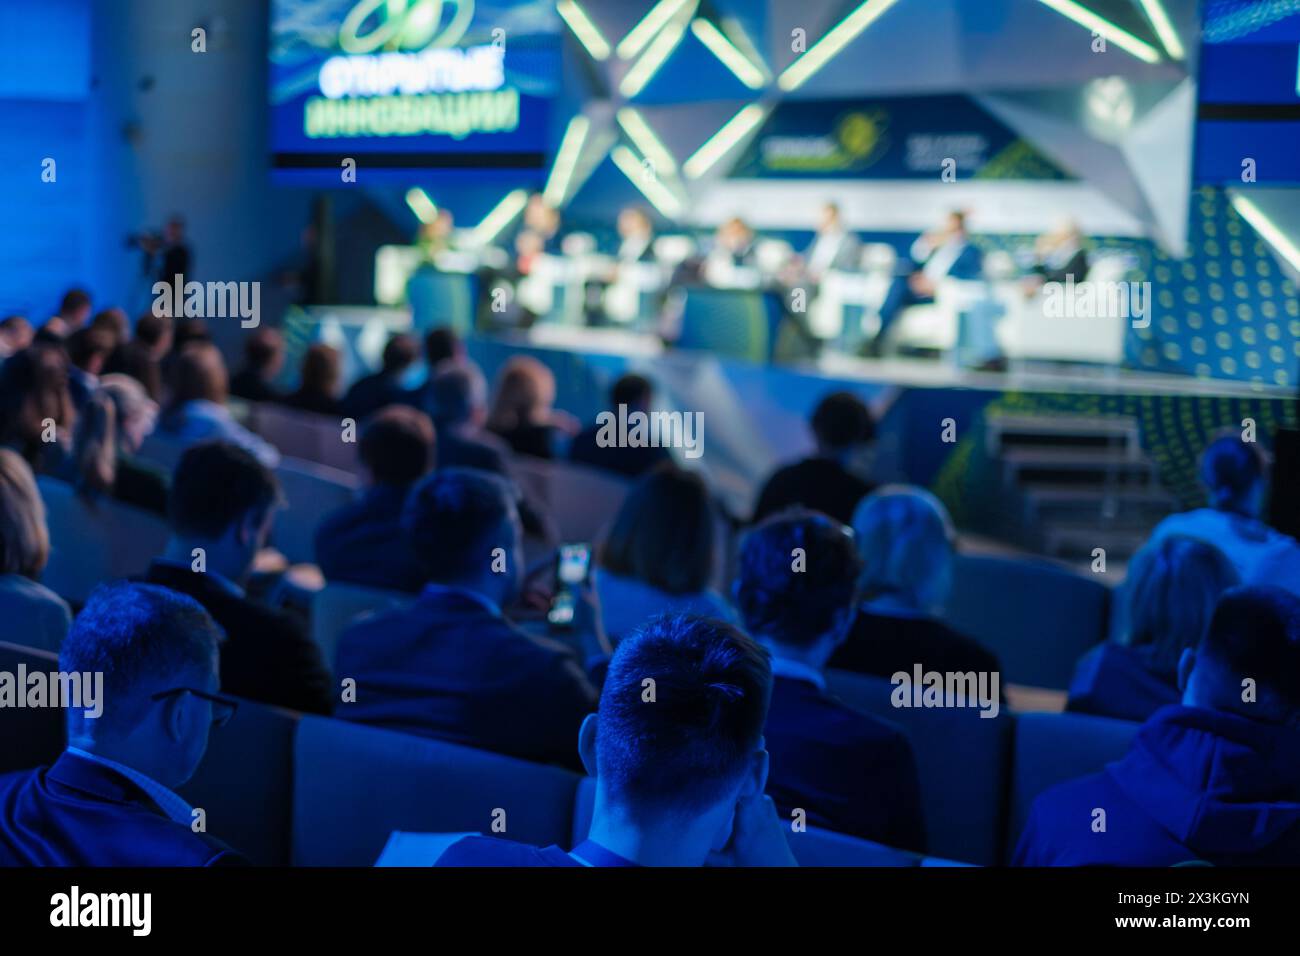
923, 373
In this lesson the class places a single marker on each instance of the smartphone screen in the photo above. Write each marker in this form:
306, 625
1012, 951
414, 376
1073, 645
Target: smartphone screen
572, 565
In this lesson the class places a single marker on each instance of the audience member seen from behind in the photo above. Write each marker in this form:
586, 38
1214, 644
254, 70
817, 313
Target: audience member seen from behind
1169, 596
136, 482
836, 477
198, 410
141, 357
680, 781
16, 334
110, 798
362, 542
905, 537
660, 553
222, 507
451, 665
319, 382
849, 772
74, 311
37, 417
388, 386
263, 360
630, 394
1215, 779
33, 614
457, 401
1235, 475
522, 411
88, 351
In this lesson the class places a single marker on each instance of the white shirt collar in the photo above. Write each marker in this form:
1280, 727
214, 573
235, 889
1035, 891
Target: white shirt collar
168, 800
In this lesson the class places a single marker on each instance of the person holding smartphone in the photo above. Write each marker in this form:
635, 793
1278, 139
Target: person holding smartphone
454, 664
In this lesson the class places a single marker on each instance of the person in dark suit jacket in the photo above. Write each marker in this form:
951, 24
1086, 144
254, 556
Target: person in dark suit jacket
636, 393
833, 480
679, 778
362, 542
904, 536
385, 387
849, 772
109, 799
451, 665
222, 506
263, 359
1214, 779
946, 253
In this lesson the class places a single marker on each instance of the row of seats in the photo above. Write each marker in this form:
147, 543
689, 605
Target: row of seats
323, 792
106, 540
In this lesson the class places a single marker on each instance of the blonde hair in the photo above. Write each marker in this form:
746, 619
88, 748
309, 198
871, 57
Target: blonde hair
24, 539
905, 538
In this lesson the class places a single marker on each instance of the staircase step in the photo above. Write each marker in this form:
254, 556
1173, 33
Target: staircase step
1006, 431
1064, 466
1078, 541
1046, 501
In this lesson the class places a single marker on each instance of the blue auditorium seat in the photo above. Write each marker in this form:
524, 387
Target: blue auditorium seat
29, 737
1054, 748
245, 783
335, 606
812, 847
94, 542
738, 323
313, 491
354, 785
962, 760
1037, 617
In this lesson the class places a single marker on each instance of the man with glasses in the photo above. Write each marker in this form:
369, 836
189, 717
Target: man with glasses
109, 799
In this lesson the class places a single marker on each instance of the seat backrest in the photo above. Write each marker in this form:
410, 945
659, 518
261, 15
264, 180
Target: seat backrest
354, 785
1038, 618
337, 605
811, 847
29, 736
245, 783
92, 543
730, 322
1053, 748
313, 491
581, 501
307, 436
962, 759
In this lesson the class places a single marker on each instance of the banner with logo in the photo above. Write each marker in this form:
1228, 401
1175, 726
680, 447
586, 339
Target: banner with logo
412, 84
890, 138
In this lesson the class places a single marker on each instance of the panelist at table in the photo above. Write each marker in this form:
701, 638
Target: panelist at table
945, 253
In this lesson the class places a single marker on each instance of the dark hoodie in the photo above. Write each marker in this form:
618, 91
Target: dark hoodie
1197, 785
1113, 680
